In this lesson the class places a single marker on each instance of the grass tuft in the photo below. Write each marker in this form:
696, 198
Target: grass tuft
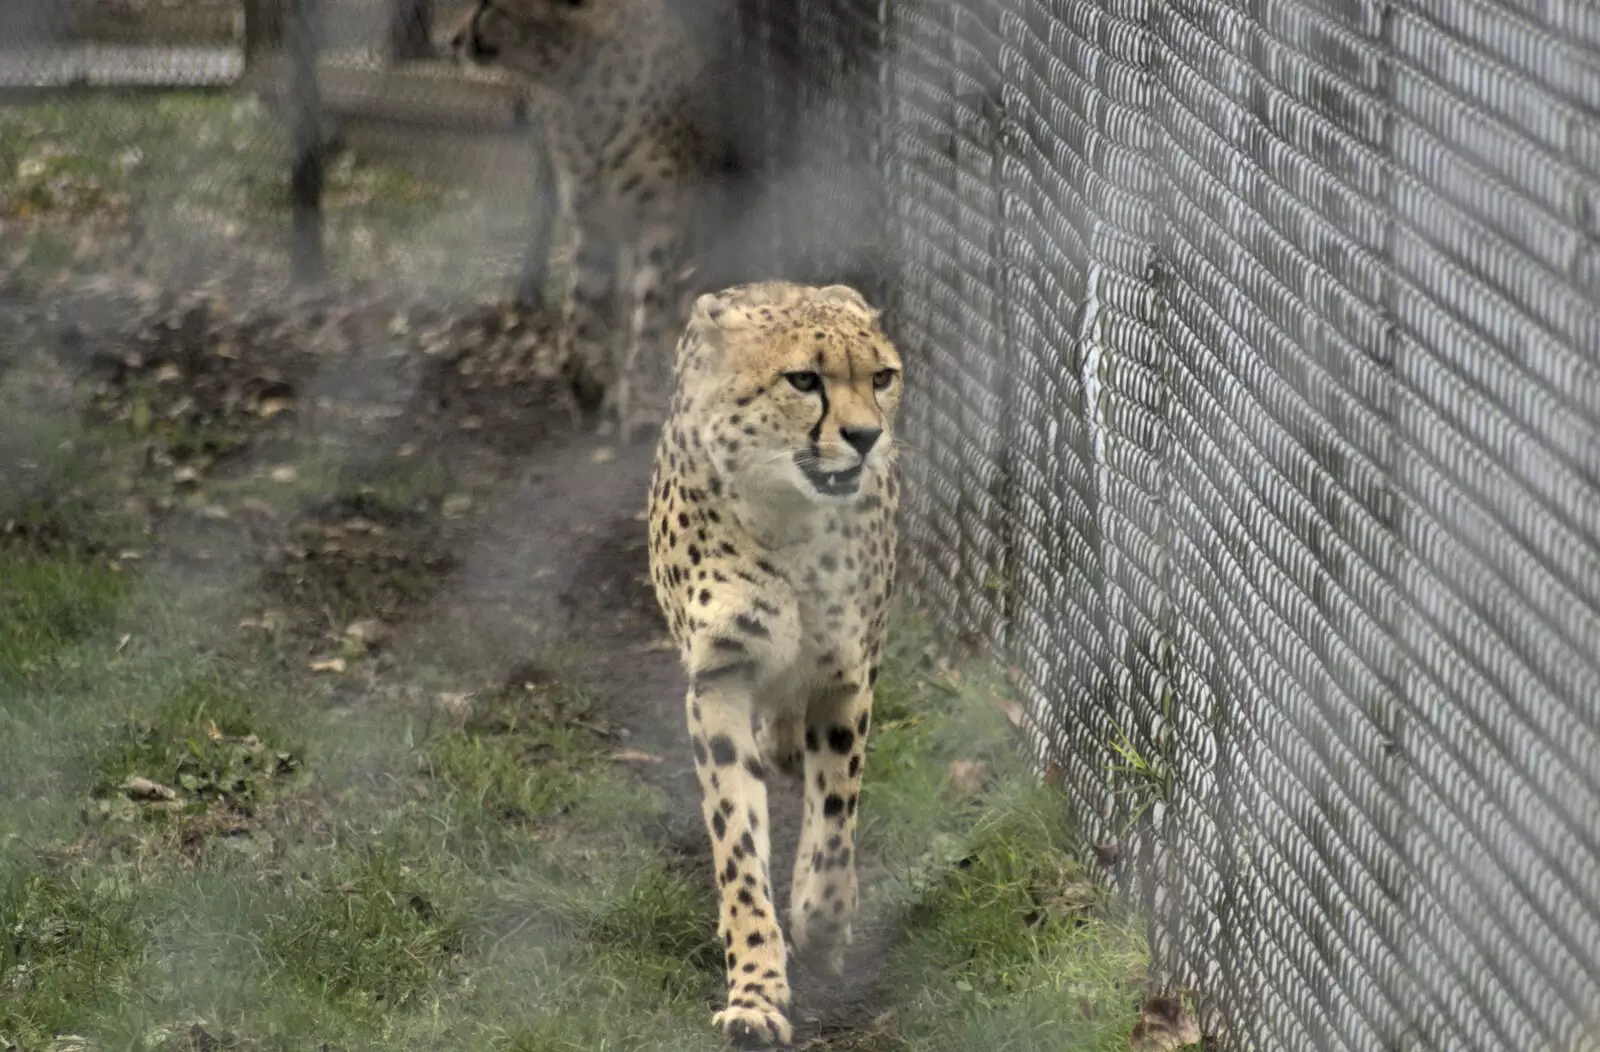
48, 605
374, 939
202, 745
67, 942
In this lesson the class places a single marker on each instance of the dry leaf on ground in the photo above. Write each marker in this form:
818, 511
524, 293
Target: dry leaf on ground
139, 788
1164, 1025
967, 778
635, 756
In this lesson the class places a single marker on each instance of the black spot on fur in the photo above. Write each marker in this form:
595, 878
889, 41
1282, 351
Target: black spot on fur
755, 768
833, 806
713, 675
722, 750
699, 752
719, 825
841, 740
750, 626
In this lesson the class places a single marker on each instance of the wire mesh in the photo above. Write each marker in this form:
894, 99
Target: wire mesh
1253, 420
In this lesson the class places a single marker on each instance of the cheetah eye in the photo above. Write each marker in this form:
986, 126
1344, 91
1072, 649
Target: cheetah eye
882, 379
805, 382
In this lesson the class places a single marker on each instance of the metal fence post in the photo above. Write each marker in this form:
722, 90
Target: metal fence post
307, 263
263, 29
410, 30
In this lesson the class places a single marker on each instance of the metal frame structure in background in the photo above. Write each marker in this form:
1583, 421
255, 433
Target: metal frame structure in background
1254, 417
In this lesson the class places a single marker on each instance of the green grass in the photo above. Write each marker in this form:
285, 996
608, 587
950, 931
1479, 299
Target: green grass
68, 942
47, 605
74, 172
367, 868
501, 891
372, 939
1003, 939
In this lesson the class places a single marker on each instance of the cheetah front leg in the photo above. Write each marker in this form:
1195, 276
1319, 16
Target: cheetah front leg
653, 276
823, 898
734, 804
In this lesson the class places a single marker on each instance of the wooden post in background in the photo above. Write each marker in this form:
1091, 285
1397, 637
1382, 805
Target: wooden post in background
306, 260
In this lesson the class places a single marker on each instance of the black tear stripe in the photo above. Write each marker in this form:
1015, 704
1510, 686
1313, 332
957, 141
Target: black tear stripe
816, 432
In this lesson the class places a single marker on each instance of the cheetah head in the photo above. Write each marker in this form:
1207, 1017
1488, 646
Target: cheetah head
798, 387
538, 39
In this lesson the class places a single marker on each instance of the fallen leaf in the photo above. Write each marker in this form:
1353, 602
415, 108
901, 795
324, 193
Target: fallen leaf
967, 778
328, 665
1163, 1026
283, 474
1108, 854
140, 788
364, 634
1013, 712
123, 641
635, 756
457, 704
1055, 776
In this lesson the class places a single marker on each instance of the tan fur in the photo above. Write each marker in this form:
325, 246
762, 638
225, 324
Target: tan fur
613, 87
777, 596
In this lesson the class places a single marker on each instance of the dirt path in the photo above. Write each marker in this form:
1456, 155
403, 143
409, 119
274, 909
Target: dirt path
565, 550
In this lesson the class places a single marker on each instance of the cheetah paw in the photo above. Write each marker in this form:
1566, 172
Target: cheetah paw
820, 949
828, 958
754, 1027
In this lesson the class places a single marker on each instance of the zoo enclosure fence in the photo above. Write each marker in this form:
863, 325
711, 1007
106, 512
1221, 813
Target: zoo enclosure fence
1254, 416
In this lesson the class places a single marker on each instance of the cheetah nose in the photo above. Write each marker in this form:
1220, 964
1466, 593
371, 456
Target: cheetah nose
861, 439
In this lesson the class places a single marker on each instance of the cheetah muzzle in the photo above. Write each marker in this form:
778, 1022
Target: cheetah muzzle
772, 552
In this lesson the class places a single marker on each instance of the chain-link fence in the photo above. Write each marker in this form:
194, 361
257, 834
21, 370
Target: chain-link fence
1257, 419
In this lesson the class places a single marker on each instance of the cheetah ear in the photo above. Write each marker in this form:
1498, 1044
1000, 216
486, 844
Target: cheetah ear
708, 309
713, 311
846, 295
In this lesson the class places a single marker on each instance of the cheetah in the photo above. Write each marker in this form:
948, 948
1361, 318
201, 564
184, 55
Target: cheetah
772, 552
617, 93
